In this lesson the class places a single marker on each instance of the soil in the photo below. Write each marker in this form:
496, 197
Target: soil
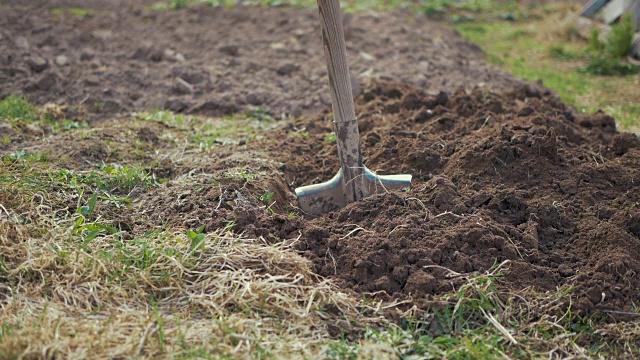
503, 171
215, 61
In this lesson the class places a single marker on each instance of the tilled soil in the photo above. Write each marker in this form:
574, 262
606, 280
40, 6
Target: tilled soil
217, 61
517, 177
503, 171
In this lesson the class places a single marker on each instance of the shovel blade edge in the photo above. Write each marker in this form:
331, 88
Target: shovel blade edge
318, 199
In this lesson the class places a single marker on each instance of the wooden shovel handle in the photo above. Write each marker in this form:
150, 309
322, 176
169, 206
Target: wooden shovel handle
346, 127
335, 50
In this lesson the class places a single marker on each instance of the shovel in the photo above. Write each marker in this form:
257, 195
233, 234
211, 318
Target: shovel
353, 181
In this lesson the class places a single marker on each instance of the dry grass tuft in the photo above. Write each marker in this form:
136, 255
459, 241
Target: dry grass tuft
158, 294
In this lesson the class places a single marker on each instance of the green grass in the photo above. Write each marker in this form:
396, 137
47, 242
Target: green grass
330, 137
609, 67
559, 52
15, 107
112, 182
75, 11
620, 38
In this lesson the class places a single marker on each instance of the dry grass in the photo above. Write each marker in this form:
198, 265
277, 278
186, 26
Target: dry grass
235, 296
151, 292
159, 295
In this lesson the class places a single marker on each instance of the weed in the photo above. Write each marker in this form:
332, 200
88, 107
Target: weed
267, 197
620, 38
111, 180
594, 44
258, 114
560, 53
206, 133
21, 156
62, 124
243, 174
436, 8
168, 118
5, 330
197, 239
604, 66
86, 229
330, 137
518, 33
342, 350
178, 4
75, 11
304, 135
16, 107
120, 178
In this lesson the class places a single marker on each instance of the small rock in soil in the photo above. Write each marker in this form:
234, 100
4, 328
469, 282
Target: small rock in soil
192, 76
103, 35
62, 60
22, 43
37, 63
172, 55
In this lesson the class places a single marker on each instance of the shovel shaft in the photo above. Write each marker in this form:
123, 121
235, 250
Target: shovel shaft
345, 122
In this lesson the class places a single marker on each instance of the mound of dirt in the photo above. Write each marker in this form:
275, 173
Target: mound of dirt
518, 177
214, 61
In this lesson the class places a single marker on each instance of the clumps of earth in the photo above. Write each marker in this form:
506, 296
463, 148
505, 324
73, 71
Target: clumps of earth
517, 177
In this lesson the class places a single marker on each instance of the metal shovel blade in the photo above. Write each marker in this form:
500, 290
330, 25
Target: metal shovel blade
331, 195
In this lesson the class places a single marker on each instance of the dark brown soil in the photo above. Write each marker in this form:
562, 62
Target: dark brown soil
502, 169
124, 57
516, 177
